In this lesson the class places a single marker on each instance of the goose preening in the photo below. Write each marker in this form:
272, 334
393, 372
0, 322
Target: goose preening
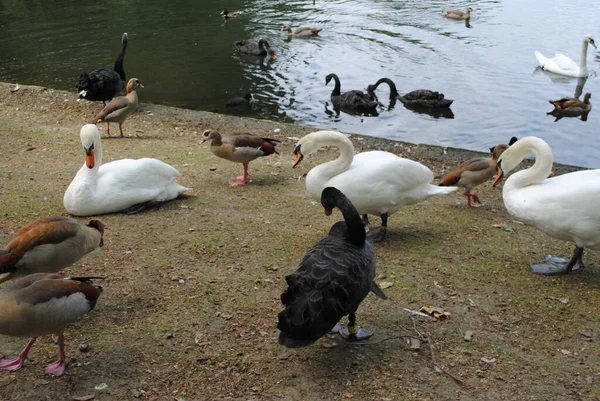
42, 304
48, 245
563, 65
104, 84
573, 103
376, 182
353, 101
255, 48
563, 206
457, 14
227, 14
121, 107
301, 32
475, 172
238, 100
239, 148
332, 280
416, 98
125, 185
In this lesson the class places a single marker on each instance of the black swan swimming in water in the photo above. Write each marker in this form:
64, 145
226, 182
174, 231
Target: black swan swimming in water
332, 280
104, 84
351, 102
416, 98
238, 100
255, 48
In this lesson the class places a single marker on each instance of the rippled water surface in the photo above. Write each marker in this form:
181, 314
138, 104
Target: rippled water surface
183, 53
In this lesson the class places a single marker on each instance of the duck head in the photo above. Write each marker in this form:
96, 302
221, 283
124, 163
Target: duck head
209, 135
133, 84
588, 38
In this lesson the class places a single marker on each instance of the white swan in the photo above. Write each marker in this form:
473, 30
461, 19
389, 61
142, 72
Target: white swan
376, 182
561, 64
125, 185
564, 207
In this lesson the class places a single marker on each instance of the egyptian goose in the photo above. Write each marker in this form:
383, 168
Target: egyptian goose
301, 31
457, 14
332, 280
376, 182
563, 65
41, 304
239, 148
475, 172
48, 245
416, 98
564, 206
254, 48
104, 84
125, 185
238, 101
573, 103
227, 14
120, 108
353, 101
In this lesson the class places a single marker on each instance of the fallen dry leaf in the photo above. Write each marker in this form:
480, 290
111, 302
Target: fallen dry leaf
348, 395
435, 311
385, 284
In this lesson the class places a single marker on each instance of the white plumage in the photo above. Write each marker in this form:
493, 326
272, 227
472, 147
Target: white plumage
563, 65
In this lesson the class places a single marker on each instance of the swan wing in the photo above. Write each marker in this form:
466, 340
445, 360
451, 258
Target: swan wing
559, 64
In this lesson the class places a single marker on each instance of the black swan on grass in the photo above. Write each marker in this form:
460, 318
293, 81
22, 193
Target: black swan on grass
104, 84
332, 280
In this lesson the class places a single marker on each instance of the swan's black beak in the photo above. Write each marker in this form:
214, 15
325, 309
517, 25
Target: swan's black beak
299, 156
499, 173
593, 43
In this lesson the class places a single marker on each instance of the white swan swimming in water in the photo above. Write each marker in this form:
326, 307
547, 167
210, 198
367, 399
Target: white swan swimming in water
563, 65
125, 185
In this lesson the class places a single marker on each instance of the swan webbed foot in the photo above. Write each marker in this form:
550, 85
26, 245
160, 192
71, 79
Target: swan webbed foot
555, 266
377, 236
355, 333
336, 329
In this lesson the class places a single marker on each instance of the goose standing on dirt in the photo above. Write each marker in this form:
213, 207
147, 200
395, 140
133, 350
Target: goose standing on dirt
564, 207
416, 98
302, 32
125, 185
332, 280
457, 14
376, 182
104, 84
351, 102
475, 172
255, 48
239, 148
42, 304
48, 245
563, 65
120, 108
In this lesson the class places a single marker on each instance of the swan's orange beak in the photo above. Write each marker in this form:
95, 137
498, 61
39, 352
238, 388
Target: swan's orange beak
90, 161
298, 159
499, 174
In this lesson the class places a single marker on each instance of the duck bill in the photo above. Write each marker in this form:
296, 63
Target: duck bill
90, 160
202, 141
499, 175
298, 159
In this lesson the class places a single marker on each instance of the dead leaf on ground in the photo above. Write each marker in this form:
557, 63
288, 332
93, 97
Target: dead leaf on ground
85, 397
348, 395
385, 284
435, 311
468, 335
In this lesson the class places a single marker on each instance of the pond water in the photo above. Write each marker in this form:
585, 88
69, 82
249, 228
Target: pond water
183, 53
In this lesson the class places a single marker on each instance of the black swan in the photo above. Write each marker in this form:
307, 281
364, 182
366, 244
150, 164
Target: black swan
416, 98
333, 278
351, 102
103, 84
255, 48
237, 101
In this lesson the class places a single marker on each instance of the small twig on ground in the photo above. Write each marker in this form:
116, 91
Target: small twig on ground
378, 341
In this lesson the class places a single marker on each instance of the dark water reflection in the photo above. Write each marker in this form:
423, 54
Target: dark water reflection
183, 53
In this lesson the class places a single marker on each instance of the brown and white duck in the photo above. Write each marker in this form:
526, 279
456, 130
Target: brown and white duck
48, 245
239, 148
475, 172
41, 304
227, 14
305, 31
573, 103
457, 14
121, 107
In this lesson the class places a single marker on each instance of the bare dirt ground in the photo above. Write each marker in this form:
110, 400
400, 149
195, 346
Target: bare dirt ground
191, 294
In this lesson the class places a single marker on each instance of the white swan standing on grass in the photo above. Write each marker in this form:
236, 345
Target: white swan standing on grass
376, 182
125, 185
564, 207
561, 64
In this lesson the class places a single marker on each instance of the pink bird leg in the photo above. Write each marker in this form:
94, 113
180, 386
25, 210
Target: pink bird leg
58, 368
17, 363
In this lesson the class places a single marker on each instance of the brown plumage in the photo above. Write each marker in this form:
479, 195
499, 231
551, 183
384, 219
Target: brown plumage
305, 31
457, 14
474, 172
48, 245
41, 304
239, 148
573, 102
121, 107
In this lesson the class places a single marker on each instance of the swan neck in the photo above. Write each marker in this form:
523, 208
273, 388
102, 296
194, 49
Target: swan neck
391, 84
118, 67
583, 59
536, 173
97, 154
356, 231
342, 162
337, 88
